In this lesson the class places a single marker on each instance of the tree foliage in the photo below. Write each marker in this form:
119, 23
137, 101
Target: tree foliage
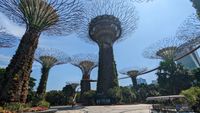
196, 77
145, 91
56, 98
128, 95
193, 97
173, 78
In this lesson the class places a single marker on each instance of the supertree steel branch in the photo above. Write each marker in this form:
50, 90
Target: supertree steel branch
133, 73
189, 31
6, 40
164, 49
106, 22
38, 16
86, 62
48, 58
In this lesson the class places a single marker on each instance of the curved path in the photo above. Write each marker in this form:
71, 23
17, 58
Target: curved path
139, 108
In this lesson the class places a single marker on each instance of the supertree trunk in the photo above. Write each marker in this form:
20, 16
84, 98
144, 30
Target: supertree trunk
134, 82
41, 90
20, 67
107, 78
85, 83
25, 86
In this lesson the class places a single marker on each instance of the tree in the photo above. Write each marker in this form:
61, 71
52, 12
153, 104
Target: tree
56, 98
145, 91
48, 58
70, 92
193, 97
54, 17
196, 75
173, 78
133, 73
106, 23
128, 95
86, 62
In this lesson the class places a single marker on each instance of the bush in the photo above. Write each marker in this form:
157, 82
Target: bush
115, 95
128, 95
43, 103
89, 97
193, 97
15, 107
56, 98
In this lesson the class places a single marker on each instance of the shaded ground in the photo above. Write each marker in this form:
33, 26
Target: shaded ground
140, 108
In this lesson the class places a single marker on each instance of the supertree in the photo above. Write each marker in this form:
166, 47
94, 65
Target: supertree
54, 17
107, 22
6, 40
48, 58
86, 62
165, 49
133, 73
189, 32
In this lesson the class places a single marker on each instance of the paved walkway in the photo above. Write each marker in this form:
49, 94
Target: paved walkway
140, 108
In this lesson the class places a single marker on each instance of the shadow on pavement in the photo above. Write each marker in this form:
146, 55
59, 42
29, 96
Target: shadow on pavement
61, 108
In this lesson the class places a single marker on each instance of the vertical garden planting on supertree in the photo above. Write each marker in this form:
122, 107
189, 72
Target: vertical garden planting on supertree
133, 73
55, 17
48, 58
107, 22
86, 62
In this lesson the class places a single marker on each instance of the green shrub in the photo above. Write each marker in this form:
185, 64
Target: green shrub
193, 97
89, 97
115, 95
56, 98
43, 103
128, 95
15, 107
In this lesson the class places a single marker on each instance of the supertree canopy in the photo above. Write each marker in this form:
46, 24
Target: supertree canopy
164, 49
48, 58
189, 31
133, 73
38, 16
6, 40
86, 62
106, 22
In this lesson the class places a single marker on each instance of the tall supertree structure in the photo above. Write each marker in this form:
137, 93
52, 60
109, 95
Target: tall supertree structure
48, 58
86, 62
106, 22
133, 73
165, 49
54, 17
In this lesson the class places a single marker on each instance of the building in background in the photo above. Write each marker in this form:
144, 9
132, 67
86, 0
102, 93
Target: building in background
191, 61
141, 81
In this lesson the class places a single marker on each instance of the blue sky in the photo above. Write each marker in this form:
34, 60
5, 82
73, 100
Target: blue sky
158, 19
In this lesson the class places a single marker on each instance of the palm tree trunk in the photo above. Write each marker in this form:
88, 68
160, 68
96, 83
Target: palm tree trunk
19, 68
107, 73
41, 90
